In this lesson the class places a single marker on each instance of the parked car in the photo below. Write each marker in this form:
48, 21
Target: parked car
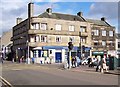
84, 61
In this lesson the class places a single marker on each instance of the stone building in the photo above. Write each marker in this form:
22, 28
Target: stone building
48, 34
103, 37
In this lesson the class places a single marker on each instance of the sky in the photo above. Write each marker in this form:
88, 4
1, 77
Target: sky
12, 9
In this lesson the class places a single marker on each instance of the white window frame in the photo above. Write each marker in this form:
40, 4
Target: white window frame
104, 43
104, 33
58, 27
35, 26
57, 39
96, 32
45, 38
111, 32
71, 28
43, 26
82, 28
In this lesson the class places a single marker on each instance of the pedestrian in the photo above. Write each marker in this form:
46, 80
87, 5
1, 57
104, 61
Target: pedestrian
90, 62
103, 65
33, 60
78, 61
98, 64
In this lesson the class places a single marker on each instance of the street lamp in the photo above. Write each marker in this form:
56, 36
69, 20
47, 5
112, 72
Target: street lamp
80, 44
28, 50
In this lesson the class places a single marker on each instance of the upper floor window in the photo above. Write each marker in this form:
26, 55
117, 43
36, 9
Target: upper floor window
35, 26
103, 43
83, 39
96, 43
58, 27
111, 43
58, 39
43, 26
96, 32
71, 28
104, 33
43, 38
118, 44
71, 39
37, 38
82, 29
111, 33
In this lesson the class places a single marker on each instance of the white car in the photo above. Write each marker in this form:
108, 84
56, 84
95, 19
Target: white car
84, 61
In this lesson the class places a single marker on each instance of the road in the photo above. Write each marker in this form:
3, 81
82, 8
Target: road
23, 74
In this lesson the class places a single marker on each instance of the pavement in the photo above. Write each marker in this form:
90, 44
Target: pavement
82, 68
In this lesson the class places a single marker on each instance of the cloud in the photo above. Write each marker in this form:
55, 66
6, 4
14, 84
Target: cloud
106, 9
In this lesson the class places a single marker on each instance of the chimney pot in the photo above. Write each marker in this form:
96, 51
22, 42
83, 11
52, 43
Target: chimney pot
103, 19
80, 14
30, 9
18, 20
49, 10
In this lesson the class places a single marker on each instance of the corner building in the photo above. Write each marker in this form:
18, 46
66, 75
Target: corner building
48, 34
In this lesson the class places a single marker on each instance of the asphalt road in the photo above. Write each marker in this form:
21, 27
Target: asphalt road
22, 74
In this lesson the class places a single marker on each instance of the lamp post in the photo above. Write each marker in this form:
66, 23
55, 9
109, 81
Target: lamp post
80, 44
28, 50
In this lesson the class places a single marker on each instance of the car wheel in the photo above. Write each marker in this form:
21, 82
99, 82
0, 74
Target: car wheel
84, 63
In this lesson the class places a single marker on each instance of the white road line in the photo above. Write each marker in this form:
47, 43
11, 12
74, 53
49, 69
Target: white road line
6, 82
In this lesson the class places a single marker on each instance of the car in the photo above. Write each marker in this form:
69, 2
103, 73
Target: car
84, 61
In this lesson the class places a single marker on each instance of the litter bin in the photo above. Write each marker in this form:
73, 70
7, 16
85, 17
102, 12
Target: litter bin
113, 63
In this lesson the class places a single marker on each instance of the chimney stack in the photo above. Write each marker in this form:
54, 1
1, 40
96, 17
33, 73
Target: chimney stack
49, 10
103, 19
80, 14
18, 20
30, 9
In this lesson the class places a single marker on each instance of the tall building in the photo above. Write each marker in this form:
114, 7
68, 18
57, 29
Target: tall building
6, 43
48, 34
103, 37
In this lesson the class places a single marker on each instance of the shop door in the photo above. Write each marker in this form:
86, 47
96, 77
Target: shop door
58, 57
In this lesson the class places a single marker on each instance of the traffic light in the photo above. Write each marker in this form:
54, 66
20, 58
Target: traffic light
83, 49
70, 45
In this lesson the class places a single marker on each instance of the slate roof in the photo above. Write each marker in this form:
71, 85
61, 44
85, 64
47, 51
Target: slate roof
98, 22
118, 35
62, 16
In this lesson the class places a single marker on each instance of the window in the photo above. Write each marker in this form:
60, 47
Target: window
43, 38
58, 27
37, 38
103, 43
83, 39
43, 26
111, 33
96, 32
71, 28
82, 29
71, 39
111, 43
96, 43
118, 44
58, 39
35, 26
103, 33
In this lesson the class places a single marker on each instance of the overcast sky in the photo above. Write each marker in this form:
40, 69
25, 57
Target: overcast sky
11, 9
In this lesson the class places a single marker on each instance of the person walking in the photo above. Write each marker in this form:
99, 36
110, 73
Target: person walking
78, 61
98, 64
103, 65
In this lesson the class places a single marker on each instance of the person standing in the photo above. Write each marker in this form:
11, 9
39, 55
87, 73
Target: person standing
104, 66
78, 61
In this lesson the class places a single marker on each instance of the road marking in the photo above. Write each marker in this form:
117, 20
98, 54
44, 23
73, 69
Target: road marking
5, 82
17, 69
